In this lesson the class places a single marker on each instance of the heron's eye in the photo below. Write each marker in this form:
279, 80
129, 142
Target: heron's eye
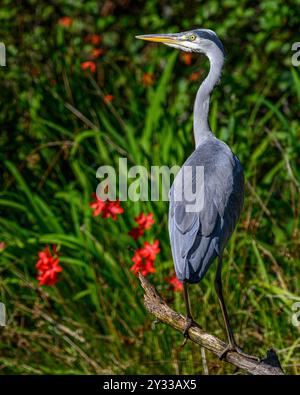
192, 37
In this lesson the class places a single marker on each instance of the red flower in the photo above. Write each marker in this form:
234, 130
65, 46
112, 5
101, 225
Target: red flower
89, 65
176, 284
98, 205
112, 209
145, 221
144, 258
65, 21
48, 267
96, 52
142, 264
95, 39
107, 208
135, 233
108, 98
150, 250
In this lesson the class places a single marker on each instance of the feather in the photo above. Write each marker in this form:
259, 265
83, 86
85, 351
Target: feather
197, 238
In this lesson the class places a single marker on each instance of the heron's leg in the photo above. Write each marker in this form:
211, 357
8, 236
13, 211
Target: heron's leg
232, 346
219, 290
187, 300
189, 318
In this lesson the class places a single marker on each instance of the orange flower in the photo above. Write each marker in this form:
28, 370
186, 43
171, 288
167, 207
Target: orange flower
2, 245
187, 58
65, 21
96, 52
34, 71
95, 39
195, 76
89, 65
108, 98
148, 79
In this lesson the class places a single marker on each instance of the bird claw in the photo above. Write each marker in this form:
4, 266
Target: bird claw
155, 322
235, 348
189, 323
184, 341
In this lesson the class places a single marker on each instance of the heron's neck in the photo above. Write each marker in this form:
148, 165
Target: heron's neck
201, 106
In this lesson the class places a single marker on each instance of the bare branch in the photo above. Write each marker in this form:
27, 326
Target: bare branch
157, 306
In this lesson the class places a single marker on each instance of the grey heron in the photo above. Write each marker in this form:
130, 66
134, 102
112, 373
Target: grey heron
198, 238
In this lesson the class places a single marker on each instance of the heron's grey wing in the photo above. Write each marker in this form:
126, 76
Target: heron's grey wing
183, 227
197, 238
224, 189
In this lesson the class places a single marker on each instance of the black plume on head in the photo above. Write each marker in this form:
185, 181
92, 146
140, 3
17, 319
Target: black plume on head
210, 35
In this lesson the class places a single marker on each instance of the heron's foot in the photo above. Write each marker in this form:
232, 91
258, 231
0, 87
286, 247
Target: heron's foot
235, 348
156, 321
189, 323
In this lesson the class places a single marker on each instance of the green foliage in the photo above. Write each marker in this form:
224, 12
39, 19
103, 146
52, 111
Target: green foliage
57, 130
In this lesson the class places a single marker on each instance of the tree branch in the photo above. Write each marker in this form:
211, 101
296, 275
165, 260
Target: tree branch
157, 306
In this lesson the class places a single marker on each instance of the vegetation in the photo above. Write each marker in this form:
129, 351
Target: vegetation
61, 120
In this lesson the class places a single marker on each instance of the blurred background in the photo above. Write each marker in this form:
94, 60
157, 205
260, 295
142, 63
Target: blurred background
79, 91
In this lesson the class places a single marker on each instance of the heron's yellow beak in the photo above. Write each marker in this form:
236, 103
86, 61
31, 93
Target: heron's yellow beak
160, 38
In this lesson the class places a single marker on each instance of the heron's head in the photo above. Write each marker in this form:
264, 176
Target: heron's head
198, 40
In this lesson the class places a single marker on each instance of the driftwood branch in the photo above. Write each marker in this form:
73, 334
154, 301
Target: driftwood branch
157, 306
